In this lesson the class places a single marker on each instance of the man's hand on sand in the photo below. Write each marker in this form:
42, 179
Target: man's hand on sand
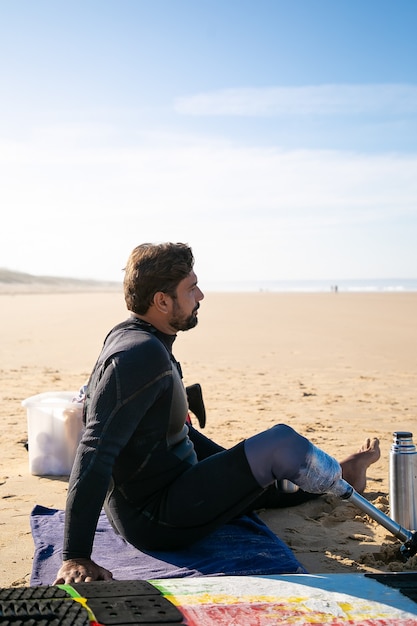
81, 570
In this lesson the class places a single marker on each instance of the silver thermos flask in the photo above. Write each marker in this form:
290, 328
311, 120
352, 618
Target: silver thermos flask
403, 480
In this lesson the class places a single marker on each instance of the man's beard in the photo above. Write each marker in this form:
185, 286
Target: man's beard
181, 322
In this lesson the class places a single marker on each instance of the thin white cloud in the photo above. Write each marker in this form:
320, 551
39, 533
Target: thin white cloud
78, 207
203, 177
333, 99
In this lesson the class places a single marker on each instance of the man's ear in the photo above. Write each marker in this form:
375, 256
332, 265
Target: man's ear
161, 301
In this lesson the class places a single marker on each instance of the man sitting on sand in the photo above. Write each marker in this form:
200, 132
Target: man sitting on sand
163, 484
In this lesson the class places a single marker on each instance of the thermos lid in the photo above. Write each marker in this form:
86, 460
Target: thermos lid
402, 434
403, 442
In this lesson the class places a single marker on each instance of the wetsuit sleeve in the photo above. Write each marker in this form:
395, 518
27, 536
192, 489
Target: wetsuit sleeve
122, 394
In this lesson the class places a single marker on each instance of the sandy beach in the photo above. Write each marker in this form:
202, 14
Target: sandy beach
337, 367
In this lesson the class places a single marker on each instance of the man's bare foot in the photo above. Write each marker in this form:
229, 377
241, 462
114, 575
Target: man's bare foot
354, 466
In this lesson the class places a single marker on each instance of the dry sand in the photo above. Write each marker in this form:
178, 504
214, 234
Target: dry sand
337, 367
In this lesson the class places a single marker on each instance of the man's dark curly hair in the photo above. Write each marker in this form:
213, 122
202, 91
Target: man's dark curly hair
155, 267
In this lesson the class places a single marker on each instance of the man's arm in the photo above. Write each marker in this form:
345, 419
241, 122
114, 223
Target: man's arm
110, 425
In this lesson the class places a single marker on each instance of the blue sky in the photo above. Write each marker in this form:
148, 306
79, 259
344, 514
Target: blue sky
278, 138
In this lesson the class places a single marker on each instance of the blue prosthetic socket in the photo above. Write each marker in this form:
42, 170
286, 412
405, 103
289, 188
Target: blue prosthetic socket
280, 453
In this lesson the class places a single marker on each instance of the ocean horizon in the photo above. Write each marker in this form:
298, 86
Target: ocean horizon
13, 281
377, 285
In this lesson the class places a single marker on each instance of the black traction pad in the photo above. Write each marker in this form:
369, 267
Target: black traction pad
32, 593
134, 610
128, 602
43, 613
116, 589
114, 603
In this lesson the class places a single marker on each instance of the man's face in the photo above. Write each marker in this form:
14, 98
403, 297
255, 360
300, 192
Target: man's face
186, 304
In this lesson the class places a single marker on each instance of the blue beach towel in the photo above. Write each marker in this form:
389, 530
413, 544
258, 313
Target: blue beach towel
244, 547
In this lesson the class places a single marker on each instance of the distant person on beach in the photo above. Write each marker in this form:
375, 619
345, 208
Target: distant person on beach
162, 483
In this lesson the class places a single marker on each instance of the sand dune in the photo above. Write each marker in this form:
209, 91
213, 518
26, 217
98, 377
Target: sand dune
21, 282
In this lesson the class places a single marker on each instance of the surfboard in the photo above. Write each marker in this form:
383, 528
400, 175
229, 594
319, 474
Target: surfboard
336, 599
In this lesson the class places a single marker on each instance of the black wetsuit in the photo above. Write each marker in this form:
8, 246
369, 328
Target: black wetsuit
162, 483
139, 458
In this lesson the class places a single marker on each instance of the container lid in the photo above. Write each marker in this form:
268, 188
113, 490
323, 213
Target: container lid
51, 398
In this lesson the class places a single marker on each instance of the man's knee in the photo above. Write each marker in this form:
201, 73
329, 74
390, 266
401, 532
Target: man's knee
276, 453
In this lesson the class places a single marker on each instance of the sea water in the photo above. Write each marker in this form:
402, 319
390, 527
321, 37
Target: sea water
377, 285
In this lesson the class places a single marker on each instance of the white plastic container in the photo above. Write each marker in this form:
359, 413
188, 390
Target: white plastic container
54, 431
